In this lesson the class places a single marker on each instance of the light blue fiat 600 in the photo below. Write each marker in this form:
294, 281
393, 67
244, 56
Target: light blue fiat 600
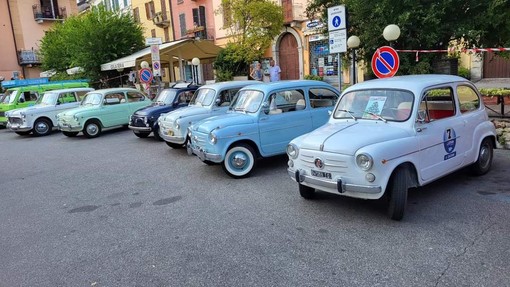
263, 119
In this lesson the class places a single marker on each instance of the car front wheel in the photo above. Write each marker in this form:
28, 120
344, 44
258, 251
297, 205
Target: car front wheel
141, 134
92, 129
239, 161
484, 162
42, 127
397, 195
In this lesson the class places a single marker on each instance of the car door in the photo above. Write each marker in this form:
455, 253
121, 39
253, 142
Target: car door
471, 116
440, 134
135, 101
114, 111
286, 120
322, 102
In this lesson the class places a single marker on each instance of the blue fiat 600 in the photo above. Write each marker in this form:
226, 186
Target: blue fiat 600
263, 119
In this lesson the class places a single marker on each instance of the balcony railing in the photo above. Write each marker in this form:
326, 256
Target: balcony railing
161, 19
28, 57
48, 13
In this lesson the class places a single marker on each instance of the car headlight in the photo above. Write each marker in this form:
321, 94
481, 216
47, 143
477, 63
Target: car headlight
189, 132
177, 125
212, 138
292, 151
23, 115
364, 161
75, 117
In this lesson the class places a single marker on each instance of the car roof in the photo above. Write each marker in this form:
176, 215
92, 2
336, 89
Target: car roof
415, 83
69, 90
287, 84
104, 91
229, 84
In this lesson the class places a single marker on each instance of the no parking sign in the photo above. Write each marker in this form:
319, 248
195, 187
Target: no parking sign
385, 62
146, 75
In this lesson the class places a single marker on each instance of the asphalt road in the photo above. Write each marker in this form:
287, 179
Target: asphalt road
123, 211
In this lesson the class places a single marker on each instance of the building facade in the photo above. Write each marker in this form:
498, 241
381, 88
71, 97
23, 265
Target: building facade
22, 26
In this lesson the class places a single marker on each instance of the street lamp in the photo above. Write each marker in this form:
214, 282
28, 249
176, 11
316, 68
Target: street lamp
391, 33
195, 62
144, 64
353, 43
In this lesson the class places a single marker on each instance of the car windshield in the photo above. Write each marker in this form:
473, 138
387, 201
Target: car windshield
247, 101
91, 99
48, 99
10, 96
203, 97
166, 97
377, 104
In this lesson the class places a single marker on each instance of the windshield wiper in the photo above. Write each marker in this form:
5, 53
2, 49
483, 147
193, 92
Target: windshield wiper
349, 112
376, 115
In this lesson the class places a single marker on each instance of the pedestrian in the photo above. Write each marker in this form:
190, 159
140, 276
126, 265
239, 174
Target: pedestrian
274, 72
256, 72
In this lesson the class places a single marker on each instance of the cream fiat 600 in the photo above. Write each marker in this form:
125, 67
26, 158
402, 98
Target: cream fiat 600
388, 135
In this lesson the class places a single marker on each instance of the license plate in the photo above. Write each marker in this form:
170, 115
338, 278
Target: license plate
321, 174
170, 133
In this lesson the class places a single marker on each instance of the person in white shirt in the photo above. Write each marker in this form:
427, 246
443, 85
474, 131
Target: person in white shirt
274, 72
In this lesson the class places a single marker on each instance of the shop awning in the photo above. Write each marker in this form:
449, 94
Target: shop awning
168, 52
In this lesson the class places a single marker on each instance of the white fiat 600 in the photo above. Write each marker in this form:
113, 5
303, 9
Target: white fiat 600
388, 135
41, 118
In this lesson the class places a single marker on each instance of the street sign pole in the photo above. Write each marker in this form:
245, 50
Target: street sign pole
337, 24
339, 72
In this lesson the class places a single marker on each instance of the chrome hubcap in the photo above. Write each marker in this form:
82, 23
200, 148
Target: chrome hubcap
484, 156
239, 160
92, 129
41, 127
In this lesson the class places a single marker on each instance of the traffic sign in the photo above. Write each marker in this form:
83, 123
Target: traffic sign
336, 18
338, 41
146, 75
153, 41
385, 62
156, 68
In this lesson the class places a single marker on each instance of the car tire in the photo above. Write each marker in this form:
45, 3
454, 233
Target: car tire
174, 145
239, 161
141, 135
156, 134
23, 133
70, 134
42, 127
306, 192
484, 161
92, 129
397, 194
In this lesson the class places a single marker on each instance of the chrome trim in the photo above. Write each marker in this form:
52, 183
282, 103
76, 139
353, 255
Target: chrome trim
18, 127
203, 156
346, 187
144, 129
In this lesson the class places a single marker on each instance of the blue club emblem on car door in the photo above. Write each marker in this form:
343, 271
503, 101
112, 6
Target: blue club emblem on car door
449, 141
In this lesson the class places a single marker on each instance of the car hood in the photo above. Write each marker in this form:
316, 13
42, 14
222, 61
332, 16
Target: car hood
348, 137
186, 112
33, 109
79, 109
153, 109
221, 121
5, 107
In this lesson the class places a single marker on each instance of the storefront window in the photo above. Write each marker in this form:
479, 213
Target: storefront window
322, 63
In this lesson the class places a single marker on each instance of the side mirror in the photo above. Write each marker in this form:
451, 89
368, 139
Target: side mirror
265, 107
21, 100
217, 101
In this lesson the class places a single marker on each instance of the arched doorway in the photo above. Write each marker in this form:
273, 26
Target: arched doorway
288, 57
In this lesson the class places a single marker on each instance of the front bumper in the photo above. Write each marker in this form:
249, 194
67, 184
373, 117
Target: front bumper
18, 127
69, 127
354, 190
203, 155
140, 129
168, 134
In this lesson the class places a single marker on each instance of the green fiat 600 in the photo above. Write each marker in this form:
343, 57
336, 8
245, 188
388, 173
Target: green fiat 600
101, 109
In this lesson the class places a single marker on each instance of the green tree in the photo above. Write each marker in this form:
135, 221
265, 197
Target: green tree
89, 40
252, 25
424, 24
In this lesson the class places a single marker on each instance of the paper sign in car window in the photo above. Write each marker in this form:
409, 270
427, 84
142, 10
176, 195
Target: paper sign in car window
374, 106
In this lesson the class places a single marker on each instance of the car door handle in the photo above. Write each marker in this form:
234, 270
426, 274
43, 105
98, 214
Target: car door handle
420, 129
264, 119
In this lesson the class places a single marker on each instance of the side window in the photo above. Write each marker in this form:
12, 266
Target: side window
112, 99
437, 104
321, 97
286, 101
185, 97
80, 94
135, 97
468, 99
67, 98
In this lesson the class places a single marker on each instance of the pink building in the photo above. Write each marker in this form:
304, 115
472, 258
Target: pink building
22, 26
193, 18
